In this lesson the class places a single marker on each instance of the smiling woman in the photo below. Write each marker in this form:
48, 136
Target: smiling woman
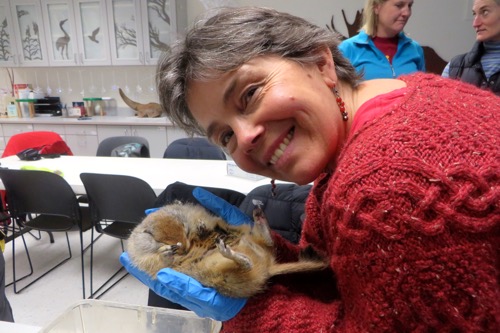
405, 171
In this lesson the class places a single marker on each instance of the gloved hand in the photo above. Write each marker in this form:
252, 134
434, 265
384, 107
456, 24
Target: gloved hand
220, 207
186, 291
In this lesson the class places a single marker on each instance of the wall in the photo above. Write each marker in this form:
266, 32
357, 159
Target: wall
444, 25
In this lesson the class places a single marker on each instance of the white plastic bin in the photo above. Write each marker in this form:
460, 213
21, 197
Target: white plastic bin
94, 316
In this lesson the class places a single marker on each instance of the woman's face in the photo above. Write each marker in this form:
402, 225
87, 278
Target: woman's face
275, 117
392, 17
486, 20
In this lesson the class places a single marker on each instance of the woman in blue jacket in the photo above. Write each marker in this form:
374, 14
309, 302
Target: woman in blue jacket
381, 49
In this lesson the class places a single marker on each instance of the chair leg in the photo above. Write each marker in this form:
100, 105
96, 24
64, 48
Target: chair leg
14, 280
82, 251
97, 293
17, 291
88, 246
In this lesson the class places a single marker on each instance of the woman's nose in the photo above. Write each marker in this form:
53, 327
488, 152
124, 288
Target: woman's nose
476, 22
407, 12
248, 136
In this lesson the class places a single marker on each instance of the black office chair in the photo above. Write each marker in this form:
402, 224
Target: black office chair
194, 148
124, 146
285, 210
43, 201
117, 204
120, 146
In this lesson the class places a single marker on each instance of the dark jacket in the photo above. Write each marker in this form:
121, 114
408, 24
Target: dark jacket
467, 67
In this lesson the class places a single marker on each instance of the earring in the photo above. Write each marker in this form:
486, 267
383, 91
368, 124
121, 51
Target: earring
341, 104
273, 188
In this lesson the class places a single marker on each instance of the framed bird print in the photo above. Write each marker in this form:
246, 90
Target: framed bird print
141, 30
60, 29
124, 22
91, 25
29, 32
74, 32
8, 51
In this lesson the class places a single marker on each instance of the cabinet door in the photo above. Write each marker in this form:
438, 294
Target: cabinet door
106, 131
2, 141
160, 27
92, 32
13, 129
125, 26
29, 32
82, 139
59, 23
8, 52
156, 136
174, 133
82, 145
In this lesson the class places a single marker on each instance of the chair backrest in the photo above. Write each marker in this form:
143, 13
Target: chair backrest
107, 145
194, 148
285, 211
39, 192
117, 197
47, 142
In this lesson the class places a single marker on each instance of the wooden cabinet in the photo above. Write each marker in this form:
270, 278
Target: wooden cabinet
82, 139
2, 141
28, 31
88, 32
8, 51
125, 27
77, 32
175, 133
156, 135
9, 130
141, 30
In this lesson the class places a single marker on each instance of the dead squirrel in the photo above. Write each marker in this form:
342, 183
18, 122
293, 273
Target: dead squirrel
235, 260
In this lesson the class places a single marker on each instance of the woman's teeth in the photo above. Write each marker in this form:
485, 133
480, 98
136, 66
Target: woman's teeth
277, 154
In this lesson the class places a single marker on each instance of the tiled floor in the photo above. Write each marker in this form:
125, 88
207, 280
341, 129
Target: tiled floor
44, 301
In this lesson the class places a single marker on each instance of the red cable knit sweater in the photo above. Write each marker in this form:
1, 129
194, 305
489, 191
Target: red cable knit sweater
410, 220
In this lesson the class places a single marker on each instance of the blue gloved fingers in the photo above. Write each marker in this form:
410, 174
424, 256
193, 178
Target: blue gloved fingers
157, 286
136, 272
151, 210
220, 207
204, 301
186, 291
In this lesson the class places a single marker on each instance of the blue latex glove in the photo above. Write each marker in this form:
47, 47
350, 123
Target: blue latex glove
151, 210
186, 291
220, 207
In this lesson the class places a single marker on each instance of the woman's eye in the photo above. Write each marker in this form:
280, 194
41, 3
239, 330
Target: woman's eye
225, 138
247, 96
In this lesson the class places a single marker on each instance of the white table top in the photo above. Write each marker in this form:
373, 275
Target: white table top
158, 172
17, 328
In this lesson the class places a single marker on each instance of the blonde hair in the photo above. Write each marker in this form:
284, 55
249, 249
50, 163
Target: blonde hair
370, 19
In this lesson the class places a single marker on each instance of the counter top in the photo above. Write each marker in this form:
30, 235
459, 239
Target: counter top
95, 120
